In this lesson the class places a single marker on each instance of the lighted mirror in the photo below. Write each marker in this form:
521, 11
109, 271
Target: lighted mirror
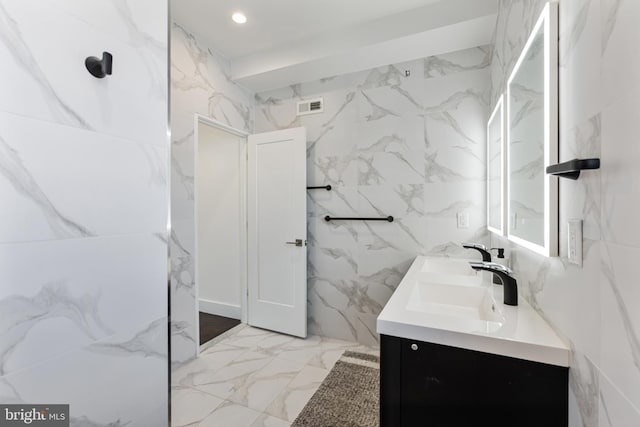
495, 170
532, 139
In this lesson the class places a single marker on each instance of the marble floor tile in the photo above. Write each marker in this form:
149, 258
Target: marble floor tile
231, 378
265, 420
191, 406
209, 361
230, 414
261, 387
290, 402
254, 378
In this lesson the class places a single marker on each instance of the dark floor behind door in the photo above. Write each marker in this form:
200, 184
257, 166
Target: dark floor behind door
211, 326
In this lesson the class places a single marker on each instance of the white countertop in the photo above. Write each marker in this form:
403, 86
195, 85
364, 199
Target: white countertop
522, 332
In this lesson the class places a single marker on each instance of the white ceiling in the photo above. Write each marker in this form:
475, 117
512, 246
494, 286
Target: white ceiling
290, 41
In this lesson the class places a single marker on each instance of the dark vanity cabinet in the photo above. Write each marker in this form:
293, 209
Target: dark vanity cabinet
432, 385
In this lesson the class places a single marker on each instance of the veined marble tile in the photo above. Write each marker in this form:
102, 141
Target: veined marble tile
582, 198
265, 420
263, 385
61, 90
249, 338
338, 171
333, 234
619, 170
209, 361
137, 22
117, 370
327, 84
331, 133
620, 50
401, 200
331, 351
580, 70
340, 201
334, 262
443, 202
290, 402
461, 61
614, 408
48, 184
189, 406
555, 281
232, 377
384, 245
389, 76
584, 384
75, 296
184, 334
387, 102
327, 311
388, 161
619, 302
276, 108
230, 414
200, 83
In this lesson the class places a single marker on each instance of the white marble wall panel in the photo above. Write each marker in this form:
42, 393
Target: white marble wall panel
84, 189
63, 295
137, 22
411, 146
592, 306
49, 72
121, 380
200, 84
49, 173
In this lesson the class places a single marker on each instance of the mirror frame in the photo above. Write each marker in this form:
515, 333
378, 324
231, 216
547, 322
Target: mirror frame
548, 23
498, 112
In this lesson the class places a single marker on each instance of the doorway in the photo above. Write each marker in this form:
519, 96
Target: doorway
250, 229
220, 218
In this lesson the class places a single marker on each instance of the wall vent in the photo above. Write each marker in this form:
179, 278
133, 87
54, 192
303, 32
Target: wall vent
311, 106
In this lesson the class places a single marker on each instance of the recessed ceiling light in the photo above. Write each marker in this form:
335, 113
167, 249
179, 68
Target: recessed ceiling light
239, 18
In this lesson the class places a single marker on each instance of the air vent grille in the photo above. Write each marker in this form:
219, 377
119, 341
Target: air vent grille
311, 106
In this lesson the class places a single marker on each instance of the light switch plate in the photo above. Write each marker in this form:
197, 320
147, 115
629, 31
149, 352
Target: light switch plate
463, 219
575, 241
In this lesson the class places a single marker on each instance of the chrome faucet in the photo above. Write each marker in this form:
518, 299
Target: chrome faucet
486, 255
505, 274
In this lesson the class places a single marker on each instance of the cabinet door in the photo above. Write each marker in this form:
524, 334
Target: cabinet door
446, 386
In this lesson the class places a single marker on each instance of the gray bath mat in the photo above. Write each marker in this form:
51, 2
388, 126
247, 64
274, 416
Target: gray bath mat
348, 397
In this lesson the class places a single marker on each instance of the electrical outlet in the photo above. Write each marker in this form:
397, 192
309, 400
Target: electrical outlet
574, 247
463, 219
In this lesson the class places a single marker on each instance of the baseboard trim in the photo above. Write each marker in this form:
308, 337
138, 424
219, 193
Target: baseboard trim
220, 309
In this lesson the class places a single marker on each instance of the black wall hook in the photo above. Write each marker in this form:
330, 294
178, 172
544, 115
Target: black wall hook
99, 67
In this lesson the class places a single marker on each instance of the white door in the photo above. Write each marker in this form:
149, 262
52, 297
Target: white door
277, 231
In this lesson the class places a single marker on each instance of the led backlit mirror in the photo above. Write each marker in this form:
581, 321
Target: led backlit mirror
532, 139
495, 170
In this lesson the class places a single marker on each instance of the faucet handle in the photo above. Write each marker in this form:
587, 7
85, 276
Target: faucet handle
474, 246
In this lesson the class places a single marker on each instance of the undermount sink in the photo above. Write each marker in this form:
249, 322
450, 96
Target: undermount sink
450, 271
473, 305
453, 266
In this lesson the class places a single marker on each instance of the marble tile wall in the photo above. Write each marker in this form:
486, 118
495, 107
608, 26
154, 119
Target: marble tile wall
84, 195
411, 146
595, 307
199, 84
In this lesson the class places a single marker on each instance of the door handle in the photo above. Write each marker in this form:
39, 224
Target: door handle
298, 242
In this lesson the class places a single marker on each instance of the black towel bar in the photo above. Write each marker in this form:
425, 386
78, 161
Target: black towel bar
329, 218
320, 187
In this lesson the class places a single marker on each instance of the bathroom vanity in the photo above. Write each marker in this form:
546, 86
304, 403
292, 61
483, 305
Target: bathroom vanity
452, 354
